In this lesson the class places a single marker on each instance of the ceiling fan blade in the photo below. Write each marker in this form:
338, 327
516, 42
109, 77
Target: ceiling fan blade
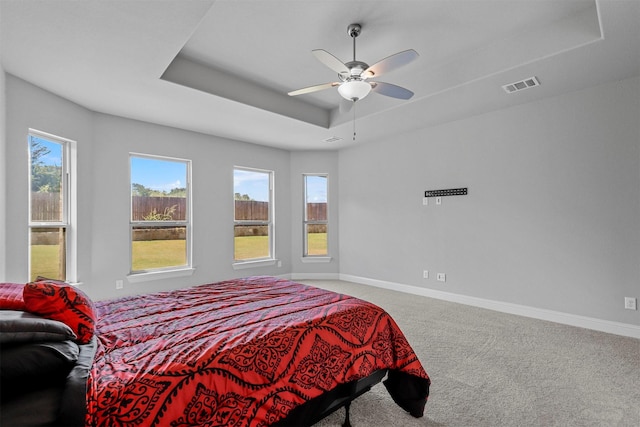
315, 88
390, 63
330, 61
393, 91
345, 106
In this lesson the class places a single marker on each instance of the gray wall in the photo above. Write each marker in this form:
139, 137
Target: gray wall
213, 160
552, 218
30, 107
3, 156
104, 143
319, 162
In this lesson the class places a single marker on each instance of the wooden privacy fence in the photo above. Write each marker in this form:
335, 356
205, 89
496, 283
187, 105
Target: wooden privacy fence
247, 210
45, 207
316, 211
143, 207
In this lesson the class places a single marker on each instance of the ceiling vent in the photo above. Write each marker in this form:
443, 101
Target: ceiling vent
521, 85
333, 139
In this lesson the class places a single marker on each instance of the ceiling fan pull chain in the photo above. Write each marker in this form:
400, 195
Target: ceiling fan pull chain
354, 120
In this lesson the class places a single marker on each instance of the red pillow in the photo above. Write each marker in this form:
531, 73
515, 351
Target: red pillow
11, 296
62, 302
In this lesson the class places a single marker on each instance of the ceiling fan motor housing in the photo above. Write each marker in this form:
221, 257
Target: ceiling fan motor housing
355, 69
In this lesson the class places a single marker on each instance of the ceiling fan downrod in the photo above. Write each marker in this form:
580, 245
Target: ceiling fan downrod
353, 87
354, 31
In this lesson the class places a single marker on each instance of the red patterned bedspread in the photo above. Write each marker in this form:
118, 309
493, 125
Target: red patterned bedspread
236, 353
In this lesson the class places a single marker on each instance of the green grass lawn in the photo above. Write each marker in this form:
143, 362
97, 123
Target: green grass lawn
152, 254
317, 243
45, 261
250, 247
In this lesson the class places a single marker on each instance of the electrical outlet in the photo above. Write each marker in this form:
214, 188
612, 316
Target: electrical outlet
441, 277
425, 274
425, 201
119, 284
438, 200
630, 303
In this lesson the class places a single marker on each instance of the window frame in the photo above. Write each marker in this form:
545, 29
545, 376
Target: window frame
306, 222
174, 270
269, 223
68, 186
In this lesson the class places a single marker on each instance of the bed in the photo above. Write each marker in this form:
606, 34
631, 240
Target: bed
255, 351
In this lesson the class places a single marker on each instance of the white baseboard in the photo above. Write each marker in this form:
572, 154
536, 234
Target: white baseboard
314, 276
616, 328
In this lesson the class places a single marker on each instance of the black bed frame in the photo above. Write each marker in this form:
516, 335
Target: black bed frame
318, 408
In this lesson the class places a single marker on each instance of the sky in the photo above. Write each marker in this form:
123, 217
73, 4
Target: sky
163, 175
54, 158
253, 183
256, 185
316, 189
158, 174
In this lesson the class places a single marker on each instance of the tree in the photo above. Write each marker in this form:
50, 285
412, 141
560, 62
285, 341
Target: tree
44, 178
177, 192
238, 196
140, 190
38, 151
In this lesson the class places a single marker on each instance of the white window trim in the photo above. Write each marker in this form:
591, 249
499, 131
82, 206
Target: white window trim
166, 272
306, 258
70, 182
310, 259
271, 224
242, 265
148, 276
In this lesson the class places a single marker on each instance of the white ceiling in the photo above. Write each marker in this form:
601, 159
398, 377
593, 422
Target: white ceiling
224, 67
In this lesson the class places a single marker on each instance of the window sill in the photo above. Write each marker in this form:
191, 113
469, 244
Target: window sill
316, 259
78, 284
252, 264
157, 275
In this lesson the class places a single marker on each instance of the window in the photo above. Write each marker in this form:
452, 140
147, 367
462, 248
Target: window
253, 214
52, 243
315, 215
160, 213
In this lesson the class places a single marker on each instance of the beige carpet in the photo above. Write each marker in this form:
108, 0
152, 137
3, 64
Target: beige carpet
493, 369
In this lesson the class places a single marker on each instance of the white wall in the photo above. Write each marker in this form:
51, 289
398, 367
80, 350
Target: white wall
552, 218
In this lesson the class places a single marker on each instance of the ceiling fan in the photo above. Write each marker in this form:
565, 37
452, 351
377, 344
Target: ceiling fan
353, 84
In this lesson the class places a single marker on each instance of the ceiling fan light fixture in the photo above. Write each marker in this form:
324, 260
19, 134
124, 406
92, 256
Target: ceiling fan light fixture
352, 75
354, 90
